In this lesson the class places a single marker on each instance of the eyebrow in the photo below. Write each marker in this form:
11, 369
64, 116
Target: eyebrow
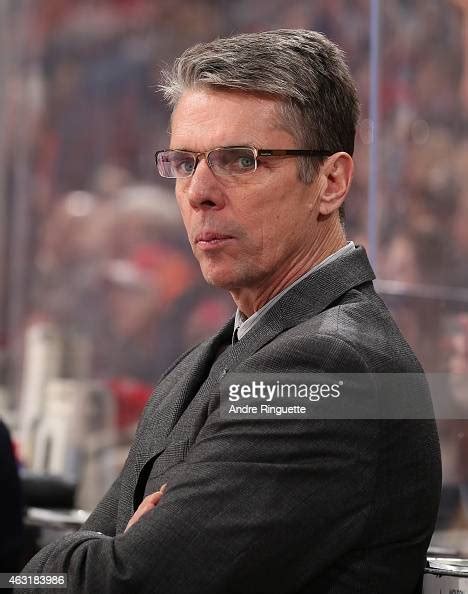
224, 146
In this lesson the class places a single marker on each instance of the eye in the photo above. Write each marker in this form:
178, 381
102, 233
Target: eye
187, 166
231, 161
184, 165
246, 162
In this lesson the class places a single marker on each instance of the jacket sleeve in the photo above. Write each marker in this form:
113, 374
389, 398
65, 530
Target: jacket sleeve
104, 517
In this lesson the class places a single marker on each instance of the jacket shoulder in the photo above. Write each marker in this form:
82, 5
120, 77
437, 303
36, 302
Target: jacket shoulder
356, 330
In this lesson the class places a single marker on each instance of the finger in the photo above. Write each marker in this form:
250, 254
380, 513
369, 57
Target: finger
148, 503
156, 496
141, 511
161, 491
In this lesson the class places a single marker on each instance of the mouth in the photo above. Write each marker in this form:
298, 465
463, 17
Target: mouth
211, 240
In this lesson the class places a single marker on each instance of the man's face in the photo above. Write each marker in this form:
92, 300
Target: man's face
246, 231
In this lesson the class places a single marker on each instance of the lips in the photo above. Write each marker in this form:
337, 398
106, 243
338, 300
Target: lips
212, 241
211, 236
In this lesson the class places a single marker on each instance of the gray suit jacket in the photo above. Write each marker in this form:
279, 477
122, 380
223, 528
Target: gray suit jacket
325, 506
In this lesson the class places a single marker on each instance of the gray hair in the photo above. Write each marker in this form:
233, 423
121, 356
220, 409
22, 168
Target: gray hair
318, 105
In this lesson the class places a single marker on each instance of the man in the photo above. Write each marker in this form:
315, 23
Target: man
262, 136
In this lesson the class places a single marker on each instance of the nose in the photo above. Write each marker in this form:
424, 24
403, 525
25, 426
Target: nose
203, 189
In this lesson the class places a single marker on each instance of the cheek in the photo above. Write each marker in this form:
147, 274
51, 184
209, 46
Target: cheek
184, 211
265, 216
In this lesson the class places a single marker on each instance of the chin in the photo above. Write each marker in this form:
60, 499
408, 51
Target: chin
221, 281
220, 277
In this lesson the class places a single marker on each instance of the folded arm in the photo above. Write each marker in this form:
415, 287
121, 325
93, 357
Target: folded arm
257, 506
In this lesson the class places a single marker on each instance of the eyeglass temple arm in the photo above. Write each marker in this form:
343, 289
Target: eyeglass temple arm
283, 153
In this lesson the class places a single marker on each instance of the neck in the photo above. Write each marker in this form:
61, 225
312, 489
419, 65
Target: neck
251, 299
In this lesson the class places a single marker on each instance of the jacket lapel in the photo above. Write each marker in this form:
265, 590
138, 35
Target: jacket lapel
173, 394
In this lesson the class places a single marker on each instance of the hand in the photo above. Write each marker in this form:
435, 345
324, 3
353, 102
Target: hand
148, 503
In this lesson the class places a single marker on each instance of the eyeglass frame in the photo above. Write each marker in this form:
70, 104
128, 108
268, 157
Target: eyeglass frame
256, 151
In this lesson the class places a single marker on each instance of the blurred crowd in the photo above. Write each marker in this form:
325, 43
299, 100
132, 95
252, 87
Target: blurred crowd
96, 240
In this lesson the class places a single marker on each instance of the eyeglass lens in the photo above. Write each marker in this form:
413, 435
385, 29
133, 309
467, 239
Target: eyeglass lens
222, 161
176, 163
232, 161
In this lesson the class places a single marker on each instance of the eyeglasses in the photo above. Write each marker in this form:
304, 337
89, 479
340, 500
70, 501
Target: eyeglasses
230, 160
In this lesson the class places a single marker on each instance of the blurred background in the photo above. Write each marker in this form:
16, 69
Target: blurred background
98, 289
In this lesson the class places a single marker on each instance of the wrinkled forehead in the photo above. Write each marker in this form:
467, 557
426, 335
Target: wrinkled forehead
222, 117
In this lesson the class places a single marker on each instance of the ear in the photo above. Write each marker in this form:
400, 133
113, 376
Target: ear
337, 172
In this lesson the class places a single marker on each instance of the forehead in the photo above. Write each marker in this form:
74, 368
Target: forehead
206, 118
